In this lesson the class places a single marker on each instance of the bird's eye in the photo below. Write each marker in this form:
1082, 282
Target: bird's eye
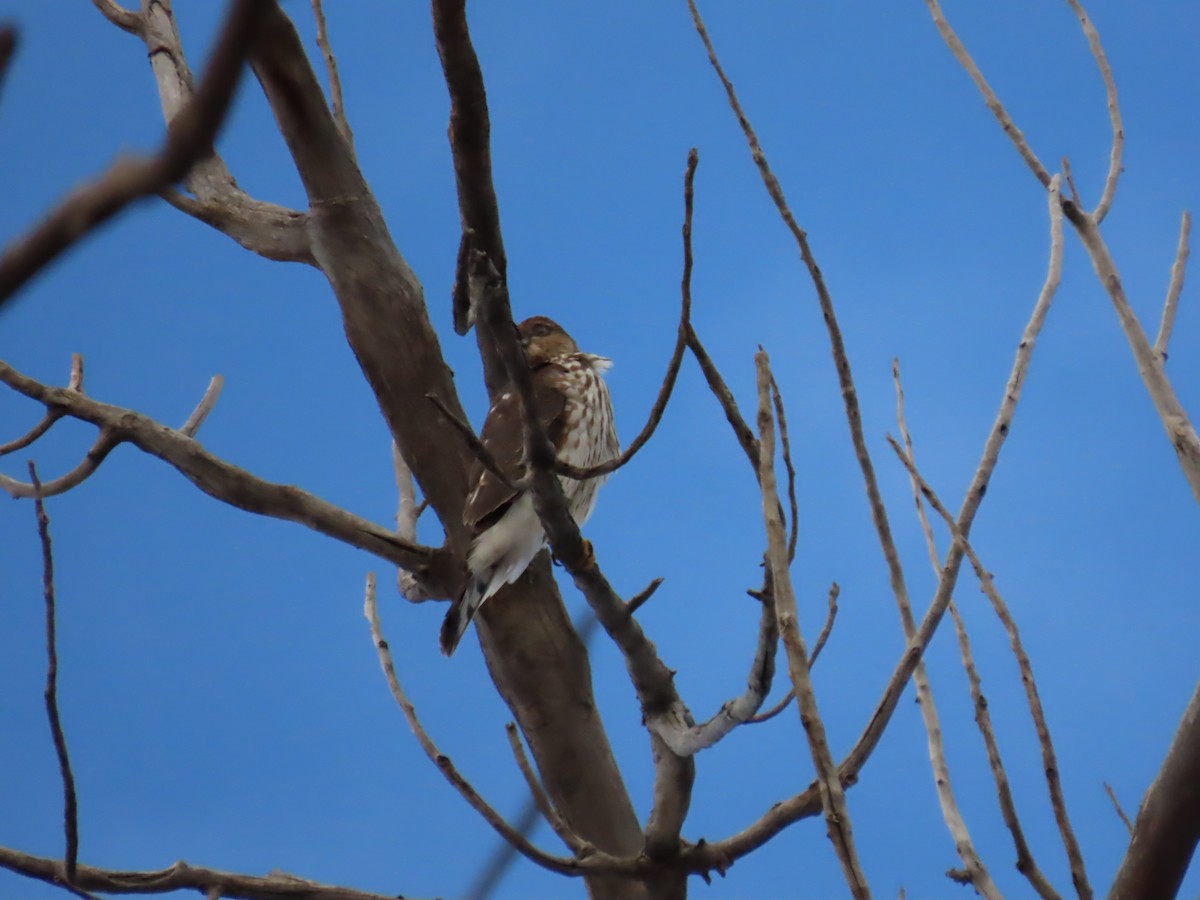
541, 329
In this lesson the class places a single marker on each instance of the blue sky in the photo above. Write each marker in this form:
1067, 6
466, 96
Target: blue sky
220, 693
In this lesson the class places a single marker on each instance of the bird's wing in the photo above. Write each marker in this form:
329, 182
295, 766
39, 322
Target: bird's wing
505, 440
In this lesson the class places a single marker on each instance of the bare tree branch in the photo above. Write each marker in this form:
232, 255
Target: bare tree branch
238, 487
1174, 288
1180, 431
1117, 806
87, 466
70, 804
335, 81
123, 18
833, 798
822, 638
1026, 864
576, 844
1049, 758
470, 136
808, 802
989, 96
724, 396
1167, 827
681, 342
189, 136
180, 877
211, 394
51, 416
786, 445
1114, 111
560, 864
407, 513
273, 232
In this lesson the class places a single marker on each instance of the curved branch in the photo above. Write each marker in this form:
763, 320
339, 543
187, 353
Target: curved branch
189, 136
238, 487
87, 466
125, 19
1114, 111
681, 342
560, 864
272, 231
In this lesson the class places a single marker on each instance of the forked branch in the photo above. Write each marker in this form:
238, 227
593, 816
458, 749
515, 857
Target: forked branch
189, 136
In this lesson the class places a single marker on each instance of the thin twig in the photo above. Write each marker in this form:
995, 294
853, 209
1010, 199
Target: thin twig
974, 872
786, 445
204, 407
822, 638
1026, 864
1114, 112
833, 797
408, 511
724, 396
574, 842
190, 136
681, 341
837, 344
482, 453
335, 81
634, 603
558, 864
1117, 806
123, 18
1049, 757
1174, 288
96, 454
989, 96
52, 414
1071, 188
70, 806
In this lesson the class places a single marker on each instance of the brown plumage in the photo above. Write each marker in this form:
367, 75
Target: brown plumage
573, 405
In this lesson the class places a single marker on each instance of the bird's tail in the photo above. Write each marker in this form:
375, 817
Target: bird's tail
462, 610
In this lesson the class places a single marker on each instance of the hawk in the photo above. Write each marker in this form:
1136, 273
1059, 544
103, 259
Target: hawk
573, 405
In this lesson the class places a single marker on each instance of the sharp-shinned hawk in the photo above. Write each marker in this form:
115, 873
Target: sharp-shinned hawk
573, 405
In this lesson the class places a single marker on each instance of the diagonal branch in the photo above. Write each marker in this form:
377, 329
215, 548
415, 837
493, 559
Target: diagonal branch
238, 487
189, 137
1174, 288
808, 802
833, 797
1167, 827
562, 865
989, 96
1049, 757
338, 108
1026, 864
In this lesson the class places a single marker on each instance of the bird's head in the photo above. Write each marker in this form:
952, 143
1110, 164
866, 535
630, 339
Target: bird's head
543, 339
